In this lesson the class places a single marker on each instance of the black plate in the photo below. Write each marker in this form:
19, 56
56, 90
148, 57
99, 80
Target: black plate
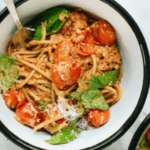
143, 94
143, 126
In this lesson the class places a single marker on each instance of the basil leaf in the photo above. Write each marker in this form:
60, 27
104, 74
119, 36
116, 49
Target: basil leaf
76, 95
103, 80
42, 105
63, 136
6, 63
53, 22
93, 99
8, 72
94, 83
39, 33
73, 122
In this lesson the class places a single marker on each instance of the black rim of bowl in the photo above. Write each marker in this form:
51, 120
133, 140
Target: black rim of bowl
144, 91
139, 132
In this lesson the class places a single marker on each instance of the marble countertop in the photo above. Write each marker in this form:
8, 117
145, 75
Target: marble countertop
140, 11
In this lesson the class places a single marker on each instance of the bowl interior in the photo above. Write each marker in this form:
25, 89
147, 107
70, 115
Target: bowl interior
131, 83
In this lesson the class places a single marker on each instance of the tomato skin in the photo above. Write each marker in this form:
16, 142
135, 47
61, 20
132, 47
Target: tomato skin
98, 117
21, 99
65, 71
13, 98
60, 121
103, 32
29, 114
148, 135
63, 49
10, 98
85, 47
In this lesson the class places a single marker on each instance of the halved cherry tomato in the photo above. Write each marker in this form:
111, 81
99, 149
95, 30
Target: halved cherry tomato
13, 98
60, 121
65, 71
63, 49
21, 98
98, 117
29, 114
10, 98
148, 135
86, 46
103, 32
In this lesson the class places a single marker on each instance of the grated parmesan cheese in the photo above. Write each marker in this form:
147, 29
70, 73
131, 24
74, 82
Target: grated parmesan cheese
33, 109
69, 111
82, 124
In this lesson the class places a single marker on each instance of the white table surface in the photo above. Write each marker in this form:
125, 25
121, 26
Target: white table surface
140, 11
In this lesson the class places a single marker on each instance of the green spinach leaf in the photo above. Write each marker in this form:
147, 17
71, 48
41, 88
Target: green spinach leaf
53, 21
8, 72
76, 95
63, 136
39, 33
103, 80
93, 99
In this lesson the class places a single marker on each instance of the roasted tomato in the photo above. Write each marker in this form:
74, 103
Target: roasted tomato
103, 32
60, 121
85, 47
29, 114
65, 71
148, 135
98, 117
21, 98
13, 98
63, 49
10, 98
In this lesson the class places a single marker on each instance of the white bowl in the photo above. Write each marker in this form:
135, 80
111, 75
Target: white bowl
134, 83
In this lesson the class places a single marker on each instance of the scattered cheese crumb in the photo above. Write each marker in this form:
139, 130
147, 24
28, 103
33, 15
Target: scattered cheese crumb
69, 111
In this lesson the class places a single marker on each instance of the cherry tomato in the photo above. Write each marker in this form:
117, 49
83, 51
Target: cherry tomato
103, 32
148, 135
63, 49
65, 71
21, 98
86, 46
60, 121
98, 117
29, 114
11, 98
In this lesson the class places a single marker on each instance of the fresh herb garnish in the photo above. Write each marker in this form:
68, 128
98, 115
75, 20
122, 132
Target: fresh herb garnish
8, 72
39, 33
76, 95
94, 100
53, 21
103, 80
63, 136
91, 99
